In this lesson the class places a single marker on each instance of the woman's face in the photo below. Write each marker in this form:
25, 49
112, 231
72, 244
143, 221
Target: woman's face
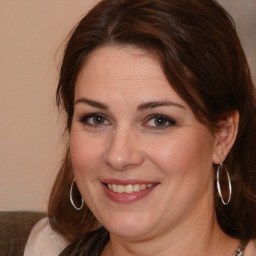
142, 161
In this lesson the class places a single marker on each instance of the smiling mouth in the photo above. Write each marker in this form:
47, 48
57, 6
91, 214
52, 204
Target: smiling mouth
130, 188
127, 191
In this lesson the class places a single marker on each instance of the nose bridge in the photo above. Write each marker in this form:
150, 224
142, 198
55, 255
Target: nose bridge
123, 151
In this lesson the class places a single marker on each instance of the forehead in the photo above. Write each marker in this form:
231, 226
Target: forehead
119, 69
116, 62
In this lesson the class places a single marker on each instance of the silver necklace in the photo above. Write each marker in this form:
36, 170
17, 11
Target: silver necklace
240, 249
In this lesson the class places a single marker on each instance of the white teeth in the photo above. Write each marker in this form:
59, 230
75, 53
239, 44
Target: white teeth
120, 189
143, 187
114, 187
136, 188
128, 188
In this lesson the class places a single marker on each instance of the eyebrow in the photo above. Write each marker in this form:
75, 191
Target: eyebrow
155, 104
92, 103
140, 108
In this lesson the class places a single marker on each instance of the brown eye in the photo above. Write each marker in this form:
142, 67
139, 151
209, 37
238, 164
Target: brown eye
98, 120
94, 120
159, 122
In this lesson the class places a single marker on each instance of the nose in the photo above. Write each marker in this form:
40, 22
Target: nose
123, 150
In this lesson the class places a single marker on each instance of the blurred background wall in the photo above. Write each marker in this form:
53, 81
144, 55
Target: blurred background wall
244, 14
31, 37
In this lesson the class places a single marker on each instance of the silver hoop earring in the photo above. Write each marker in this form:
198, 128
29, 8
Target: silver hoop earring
218, 184
71, 199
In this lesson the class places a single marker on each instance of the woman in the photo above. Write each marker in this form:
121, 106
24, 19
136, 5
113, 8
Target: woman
161, 122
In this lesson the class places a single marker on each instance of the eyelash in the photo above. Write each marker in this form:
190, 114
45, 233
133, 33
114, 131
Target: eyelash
168, 122
86, 118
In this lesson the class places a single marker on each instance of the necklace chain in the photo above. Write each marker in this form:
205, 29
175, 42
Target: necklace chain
240, 249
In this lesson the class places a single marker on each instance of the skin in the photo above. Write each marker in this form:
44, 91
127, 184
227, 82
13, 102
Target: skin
128, 141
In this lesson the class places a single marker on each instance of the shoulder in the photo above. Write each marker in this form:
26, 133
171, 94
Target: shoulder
44, 241
251, 248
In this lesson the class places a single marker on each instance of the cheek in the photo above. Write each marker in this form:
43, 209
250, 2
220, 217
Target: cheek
185, 153
185, 162
85, 152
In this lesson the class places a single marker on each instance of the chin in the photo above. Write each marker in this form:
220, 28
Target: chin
129, 227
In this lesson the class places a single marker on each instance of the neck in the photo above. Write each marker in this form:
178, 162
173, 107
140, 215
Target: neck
201, 237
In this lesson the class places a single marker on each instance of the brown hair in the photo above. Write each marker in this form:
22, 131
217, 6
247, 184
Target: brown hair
197, 46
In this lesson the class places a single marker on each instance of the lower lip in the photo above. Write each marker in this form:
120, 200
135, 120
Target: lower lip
126, 198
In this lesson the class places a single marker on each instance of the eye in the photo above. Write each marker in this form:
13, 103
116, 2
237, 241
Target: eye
94, 120
159, 122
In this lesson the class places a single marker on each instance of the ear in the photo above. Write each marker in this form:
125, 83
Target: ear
225, 137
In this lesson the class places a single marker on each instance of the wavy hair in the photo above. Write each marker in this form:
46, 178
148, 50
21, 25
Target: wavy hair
196, 44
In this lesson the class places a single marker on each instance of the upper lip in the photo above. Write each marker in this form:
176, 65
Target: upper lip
127, 182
